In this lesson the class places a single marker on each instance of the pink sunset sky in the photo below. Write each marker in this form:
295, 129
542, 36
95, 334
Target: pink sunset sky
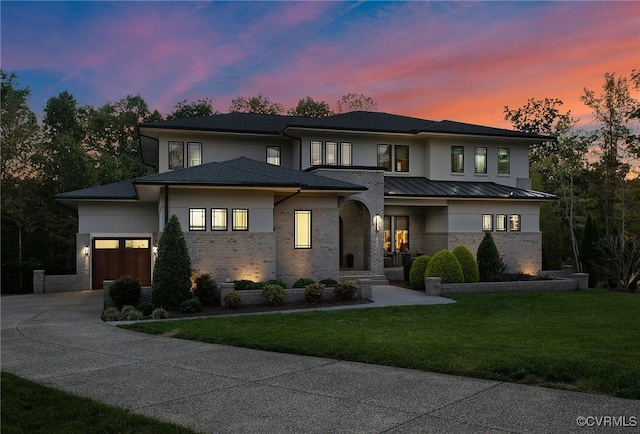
462, 61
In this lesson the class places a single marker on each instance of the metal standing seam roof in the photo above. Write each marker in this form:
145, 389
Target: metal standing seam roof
423, 187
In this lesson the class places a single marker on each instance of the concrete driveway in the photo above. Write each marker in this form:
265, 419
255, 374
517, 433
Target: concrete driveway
60, 341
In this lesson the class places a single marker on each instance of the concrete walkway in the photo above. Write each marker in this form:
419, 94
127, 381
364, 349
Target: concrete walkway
59, 340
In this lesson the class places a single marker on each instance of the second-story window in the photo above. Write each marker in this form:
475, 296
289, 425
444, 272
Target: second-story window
401, 158
345, 154
457, 159
316, 153
504, 161
480, 161
331, 153
176, 155
273, 155
384, 156
194, 157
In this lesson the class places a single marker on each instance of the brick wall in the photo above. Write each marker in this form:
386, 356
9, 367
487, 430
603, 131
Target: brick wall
68, 282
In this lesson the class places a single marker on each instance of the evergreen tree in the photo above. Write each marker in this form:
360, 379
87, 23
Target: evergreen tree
172, 271
490, 263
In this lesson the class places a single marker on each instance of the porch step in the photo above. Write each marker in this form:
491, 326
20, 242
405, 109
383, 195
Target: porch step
376, 279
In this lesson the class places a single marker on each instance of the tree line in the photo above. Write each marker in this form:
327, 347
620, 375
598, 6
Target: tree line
76, 146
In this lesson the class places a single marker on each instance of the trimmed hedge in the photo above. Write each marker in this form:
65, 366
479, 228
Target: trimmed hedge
468, 263
418, 268
445, 265
125, 291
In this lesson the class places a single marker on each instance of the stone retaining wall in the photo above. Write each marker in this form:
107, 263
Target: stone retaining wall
578, 281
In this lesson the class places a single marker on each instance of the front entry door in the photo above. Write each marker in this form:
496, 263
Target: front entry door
117, 257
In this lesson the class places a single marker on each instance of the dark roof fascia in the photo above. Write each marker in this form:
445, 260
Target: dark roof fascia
245, 186
526, 199
351, 130
325, 166
214, 130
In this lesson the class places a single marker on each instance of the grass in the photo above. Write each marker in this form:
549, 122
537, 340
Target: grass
583, 341
28, 407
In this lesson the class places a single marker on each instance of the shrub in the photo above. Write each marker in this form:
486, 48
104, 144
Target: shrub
329, 282
191, 306
445, 265
159, 313
125, 290
416, 275
490, 263
130, 313
233, 299
146, 308
205, 289
468, 263
313, 293
172, 271
274, 294
243, 285
407, 269
280, 283
303, 283
111, 314
345, 290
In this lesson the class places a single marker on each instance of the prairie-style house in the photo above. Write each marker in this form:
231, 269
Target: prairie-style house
279, 197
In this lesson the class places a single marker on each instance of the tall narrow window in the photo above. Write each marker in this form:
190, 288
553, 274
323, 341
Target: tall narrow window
481, 160
194, 150
176, 155
504, 161
457, 159
487, 222
501, 222
331, 153
273, 155
302, 229
197, 219
218, 219
387, 233
345, 154
316, 153
402, 158
384, 156
396, 233
514, 222
240, 220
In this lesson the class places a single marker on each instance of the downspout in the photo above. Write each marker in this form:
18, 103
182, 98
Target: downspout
288, 197
166, 204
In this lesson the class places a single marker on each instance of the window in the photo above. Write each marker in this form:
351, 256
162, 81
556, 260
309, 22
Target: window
316, 153
396, 233
136, 244
345, 154
503, 161
514, 222
481, 160
331, 153
487, 222
194, 150
197, 219
402, 158
218, 219
240, 220
501, 222
457, 159
176, 155
302, 230
106, 244
273, 155
384, 156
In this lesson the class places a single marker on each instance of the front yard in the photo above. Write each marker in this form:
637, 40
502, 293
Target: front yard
584, 341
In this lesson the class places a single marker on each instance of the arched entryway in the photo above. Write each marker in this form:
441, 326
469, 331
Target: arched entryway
355, 235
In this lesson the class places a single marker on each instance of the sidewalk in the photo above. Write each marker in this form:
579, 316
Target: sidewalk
59, 340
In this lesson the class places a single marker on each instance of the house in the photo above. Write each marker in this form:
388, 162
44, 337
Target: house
265, 196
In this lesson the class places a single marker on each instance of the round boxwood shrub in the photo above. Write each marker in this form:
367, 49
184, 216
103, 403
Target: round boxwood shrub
416, 275
313, 293
280, 283
445, 265
407, 269
192, 305
243, 285
205, 289
329, 282
303, 283
468, 263
274, 294
233, 299
490, 264
172, 272
125, 290
345, 290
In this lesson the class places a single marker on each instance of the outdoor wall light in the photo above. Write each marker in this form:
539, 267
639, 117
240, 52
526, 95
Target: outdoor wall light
86, 250
155, 251
377, 222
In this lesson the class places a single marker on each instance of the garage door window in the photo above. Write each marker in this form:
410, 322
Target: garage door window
136, 244
107, 244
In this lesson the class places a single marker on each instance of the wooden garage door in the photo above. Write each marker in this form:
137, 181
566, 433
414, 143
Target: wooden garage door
116, 257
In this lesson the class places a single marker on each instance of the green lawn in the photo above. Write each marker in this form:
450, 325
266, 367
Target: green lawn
587, 341
30, 408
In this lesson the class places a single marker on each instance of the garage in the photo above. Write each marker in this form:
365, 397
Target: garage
116, 257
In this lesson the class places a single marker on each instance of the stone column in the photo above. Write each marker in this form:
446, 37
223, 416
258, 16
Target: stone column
364, 288
432, 286
38, 281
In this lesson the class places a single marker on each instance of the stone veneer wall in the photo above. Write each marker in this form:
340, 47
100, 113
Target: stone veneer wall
355, 233
68, 282
233, 255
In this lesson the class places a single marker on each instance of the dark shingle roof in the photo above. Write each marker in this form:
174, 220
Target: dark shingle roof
423, 187
120, 190
230, 122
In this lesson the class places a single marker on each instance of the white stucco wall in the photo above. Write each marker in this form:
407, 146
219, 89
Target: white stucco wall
466, 216
114, 217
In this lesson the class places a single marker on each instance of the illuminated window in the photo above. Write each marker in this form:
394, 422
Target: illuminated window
396, 233
176, 155
487, 222
501, 222
316, 153
240, 220
197, 219
106, 244
194, 150
136, 244
273, 155
218, 219
481, 160
402, 158
504, 165
331, 153
345, 154
384, 156
457, 159
514, 222
302, 229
